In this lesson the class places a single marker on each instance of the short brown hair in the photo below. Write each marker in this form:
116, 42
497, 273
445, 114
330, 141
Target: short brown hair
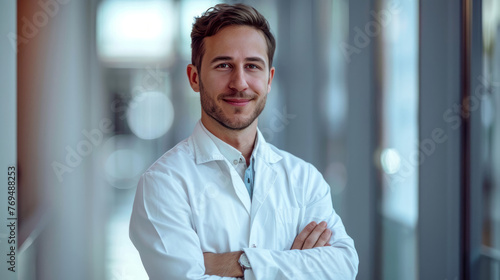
222, 15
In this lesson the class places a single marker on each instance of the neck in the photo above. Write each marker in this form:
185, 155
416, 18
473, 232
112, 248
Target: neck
242, 140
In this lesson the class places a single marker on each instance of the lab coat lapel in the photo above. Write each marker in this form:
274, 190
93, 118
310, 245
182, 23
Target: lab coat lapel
239, 188
265, 177
265, 173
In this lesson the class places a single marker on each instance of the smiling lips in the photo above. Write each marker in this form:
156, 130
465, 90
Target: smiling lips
237, 102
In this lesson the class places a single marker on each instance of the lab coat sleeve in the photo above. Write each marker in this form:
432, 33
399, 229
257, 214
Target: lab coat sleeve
338, 261
161, 230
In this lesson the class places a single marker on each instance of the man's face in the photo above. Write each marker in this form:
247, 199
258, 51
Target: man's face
235, 77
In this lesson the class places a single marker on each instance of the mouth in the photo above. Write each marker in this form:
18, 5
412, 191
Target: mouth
236, 101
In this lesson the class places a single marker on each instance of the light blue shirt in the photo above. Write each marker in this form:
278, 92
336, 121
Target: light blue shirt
249, 175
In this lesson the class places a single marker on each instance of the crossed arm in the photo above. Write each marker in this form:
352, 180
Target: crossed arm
161, 229
226, 264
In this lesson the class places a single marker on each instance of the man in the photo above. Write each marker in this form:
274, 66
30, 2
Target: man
224, 203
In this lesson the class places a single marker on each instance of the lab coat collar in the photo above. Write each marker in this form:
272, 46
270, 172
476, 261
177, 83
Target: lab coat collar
205, 149
264, 150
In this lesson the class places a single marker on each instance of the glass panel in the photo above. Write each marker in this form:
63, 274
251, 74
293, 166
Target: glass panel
399, 154
491, 135
335, 102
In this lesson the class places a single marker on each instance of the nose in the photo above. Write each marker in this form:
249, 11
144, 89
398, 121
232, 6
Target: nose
238, 80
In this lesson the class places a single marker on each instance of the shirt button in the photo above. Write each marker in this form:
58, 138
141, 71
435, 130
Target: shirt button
254, 245
235, 162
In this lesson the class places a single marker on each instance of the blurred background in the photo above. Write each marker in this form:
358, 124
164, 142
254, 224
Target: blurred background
396, 102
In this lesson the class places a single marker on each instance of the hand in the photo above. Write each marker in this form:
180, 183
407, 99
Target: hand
224, 265
312, 236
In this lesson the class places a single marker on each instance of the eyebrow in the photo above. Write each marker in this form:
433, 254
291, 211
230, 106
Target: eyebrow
226, 58
255, 59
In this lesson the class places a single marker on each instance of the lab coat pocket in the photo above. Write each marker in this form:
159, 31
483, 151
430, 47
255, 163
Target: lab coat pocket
287, 224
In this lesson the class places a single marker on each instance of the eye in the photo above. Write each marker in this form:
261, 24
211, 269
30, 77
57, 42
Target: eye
223, 65
253, 66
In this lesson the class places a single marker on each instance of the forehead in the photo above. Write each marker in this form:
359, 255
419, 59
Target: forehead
236, 41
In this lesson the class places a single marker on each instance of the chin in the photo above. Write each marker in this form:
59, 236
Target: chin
239, 124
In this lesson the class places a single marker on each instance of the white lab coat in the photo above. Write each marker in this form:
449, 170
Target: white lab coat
191, 200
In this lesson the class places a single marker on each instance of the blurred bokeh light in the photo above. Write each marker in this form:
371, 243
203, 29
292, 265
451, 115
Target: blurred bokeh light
390, 160
135, 31
150, 115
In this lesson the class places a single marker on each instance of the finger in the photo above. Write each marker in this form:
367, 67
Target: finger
314, 236
328, 243
301, 237
323, 238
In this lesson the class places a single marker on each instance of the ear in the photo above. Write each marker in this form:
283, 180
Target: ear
193, 77
270, 81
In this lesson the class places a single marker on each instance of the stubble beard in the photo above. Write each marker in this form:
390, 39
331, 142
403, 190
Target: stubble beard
210, 107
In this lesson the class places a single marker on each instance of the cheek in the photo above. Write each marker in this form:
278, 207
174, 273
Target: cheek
215, 82
259, 85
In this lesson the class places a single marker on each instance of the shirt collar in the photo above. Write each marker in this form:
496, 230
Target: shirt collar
228, 151
206, 149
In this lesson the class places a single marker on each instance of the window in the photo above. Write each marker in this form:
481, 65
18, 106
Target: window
399, 149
